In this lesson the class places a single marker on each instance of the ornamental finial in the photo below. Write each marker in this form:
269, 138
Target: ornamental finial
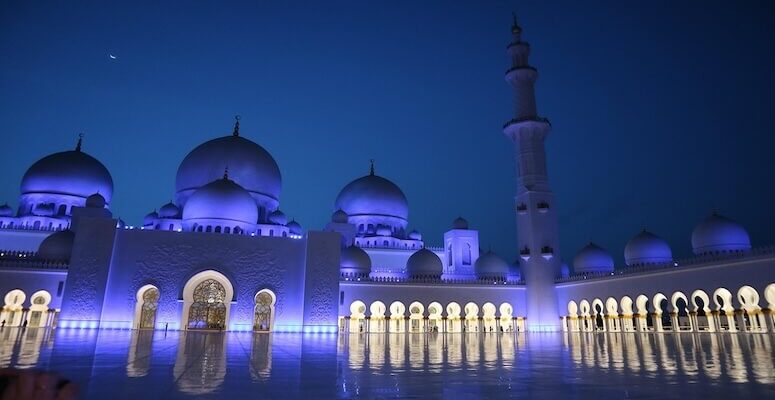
236, 125
80, 141
515, 29
226, 173
371, 169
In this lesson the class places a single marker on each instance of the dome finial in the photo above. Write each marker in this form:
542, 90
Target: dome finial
236, 125
80, 141
515, 29
226, 172
371, 169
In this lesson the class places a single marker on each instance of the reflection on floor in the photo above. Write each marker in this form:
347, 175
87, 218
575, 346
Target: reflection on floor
147, 364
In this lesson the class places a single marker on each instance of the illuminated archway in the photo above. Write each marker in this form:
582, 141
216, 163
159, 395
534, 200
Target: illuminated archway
435, 322
146, 305
12, 310
472, 318
207, 300
397, 315
453, 317
38, 314
377, 318
506, 317
488, 317
357, 317
263, 311
416, 310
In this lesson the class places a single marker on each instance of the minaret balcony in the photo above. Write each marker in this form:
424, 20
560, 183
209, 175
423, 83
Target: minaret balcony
525, 253
543, 207
547, 252
528, 120
522, 209
521, 72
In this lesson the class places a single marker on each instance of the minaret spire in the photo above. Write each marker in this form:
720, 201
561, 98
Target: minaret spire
80, 142
235, 132
537, 230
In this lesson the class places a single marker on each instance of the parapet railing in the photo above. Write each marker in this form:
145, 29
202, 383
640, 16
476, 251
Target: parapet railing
430, 280
10, 259
697, 261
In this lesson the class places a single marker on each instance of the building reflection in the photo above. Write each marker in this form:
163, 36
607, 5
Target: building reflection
741, 358
261, 357
139, 358
200, 365
21, 347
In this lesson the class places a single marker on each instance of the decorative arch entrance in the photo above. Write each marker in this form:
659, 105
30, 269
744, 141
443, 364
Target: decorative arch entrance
263, 313
146, 306
207, 299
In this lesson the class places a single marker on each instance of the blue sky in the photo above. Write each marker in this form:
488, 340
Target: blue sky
660, 111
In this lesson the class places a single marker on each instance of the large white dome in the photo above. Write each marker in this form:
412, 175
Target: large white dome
375, 200
70, 173
647, 248
593, 259
249, 164
718, 234
221, 202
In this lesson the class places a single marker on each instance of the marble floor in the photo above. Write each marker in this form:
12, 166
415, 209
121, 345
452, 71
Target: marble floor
119, 364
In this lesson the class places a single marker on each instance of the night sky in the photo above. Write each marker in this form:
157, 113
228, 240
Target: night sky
660, 111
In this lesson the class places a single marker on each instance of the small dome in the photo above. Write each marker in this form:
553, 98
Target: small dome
718, 234
44, 210
593, 259
57, 246
355, 260
459, 223
647, 248
415, 235
491, 266
6, 210
223, 200
69, 173
384, 231
373, 195
95, 200
294, 227
169, 210
278, 217
150, 218
250, 166
424, 263
339, 217
564, 270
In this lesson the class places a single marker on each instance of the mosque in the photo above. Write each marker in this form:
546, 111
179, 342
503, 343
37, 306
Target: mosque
223, 256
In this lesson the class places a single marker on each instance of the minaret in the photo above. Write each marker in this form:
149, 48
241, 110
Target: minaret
537, 233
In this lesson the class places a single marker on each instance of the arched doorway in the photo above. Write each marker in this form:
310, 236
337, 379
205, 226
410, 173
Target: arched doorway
507, 317
357, 317
488, 319
146, 306
453, 317
397, 315
377, 317
207, 298
435, 321
263, 312
38, 316
416, 318
472, 318
12, 310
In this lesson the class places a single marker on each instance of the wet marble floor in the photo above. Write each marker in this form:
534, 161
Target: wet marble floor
120, 364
